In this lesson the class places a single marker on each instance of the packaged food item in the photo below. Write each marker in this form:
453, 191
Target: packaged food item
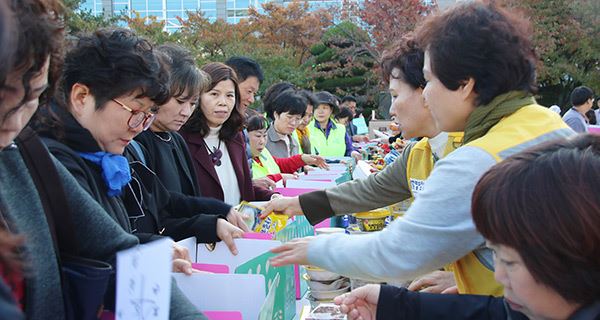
353, 229
249, 213
373, 220
272, 224
326, 311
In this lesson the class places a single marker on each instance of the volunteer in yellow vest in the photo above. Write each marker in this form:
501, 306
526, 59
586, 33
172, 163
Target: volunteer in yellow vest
328, 138
402, 70
480, 71
264, 164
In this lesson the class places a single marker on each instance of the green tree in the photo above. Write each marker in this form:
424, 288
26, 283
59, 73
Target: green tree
277, 50
213, 41
564, 40
343, 64
291, 26
387, 20
78, 20
150, 28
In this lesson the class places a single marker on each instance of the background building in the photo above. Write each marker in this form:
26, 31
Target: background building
230, 10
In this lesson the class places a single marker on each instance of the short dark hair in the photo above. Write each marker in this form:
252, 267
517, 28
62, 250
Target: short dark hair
289, 101
480, 41
407, 57
555, 227
40, 34
257, 122
310, 97
183, 73
233, 125
348, 98
245, 68
581, 95
344, 112
591, 115
114, 62
271, 93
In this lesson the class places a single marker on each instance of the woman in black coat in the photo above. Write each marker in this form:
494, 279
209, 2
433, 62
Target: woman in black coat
96, 121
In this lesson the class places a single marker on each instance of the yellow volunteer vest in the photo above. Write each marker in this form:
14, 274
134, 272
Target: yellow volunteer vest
526, 127
420, 161
295, 137
269, 166
476, 278
332, 146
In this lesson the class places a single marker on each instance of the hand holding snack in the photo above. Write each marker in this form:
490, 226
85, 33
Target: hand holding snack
289, 206
272, 224
236, 219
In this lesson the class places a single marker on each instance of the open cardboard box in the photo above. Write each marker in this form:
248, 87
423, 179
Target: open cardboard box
238, 284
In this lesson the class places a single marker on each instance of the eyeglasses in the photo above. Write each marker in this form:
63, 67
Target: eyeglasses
296, 119
137, 117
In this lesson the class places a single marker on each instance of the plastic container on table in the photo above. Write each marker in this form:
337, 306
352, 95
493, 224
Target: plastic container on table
373, 220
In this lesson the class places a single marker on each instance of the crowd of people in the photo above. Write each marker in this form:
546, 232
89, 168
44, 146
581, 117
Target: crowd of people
139, 143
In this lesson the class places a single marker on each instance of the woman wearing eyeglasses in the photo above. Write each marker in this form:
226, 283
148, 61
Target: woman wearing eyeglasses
107, 101
288, 109
213, 135
111, 80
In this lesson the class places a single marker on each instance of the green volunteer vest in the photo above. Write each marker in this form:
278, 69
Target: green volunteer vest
269, 166
332, 146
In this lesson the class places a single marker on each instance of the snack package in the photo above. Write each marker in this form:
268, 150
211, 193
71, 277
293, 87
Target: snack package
272, 224
249, 213
326, 311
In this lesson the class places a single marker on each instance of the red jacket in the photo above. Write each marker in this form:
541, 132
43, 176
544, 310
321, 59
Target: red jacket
286, 165
208, 181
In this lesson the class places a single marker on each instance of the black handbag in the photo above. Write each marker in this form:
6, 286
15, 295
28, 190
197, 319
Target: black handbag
84, 281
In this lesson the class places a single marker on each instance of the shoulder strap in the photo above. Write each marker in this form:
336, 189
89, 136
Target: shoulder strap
51, 190
137, 149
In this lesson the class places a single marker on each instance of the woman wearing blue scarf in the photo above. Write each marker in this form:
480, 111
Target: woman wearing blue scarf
112, 82
31, 78
106, 100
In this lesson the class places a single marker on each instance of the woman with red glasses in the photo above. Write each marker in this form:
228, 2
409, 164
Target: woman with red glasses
111, 82
107, 99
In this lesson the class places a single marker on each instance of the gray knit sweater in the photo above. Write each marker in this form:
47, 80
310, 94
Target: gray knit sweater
99, 236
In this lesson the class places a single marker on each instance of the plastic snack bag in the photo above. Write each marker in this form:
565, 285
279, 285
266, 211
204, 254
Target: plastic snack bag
249, 213
326, 311
272, 224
